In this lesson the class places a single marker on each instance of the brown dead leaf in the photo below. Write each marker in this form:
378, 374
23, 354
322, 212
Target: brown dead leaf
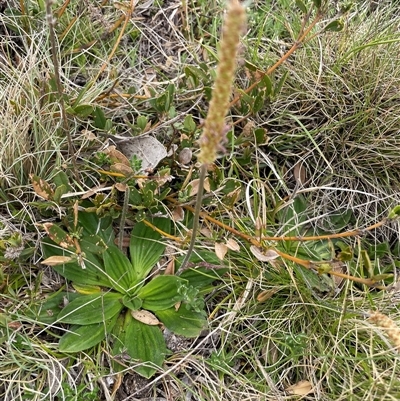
145, 317
194, 186
121, 168
206, 232
93, 191
266, 256
232, 245
220, 250
267, 294
116, 156
302, 387
120, 186
248, 129
56, 260
170, 269
299, 173
41, 187
178, 214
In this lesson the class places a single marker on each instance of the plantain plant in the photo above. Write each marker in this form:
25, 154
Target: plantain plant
118, 296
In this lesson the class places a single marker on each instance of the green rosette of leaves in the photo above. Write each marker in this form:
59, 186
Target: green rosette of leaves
120, 298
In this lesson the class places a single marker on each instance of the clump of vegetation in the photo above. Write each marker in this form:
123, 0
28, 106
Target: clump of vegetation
267, 270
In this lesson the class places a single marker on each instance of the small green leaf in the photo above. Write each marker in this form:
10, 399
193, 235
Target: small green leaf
141, 122
183, 322
160, 293
367, 263
302, 6
93, 308
132, 303
61, 178
93, 225
59, 192
267, 83
381, 277
99, 118
119, 268
188, 123
394, 213
145, 344
334, 26
80, 338
279, 85
317, 3
258, 103
250, 66
83, 110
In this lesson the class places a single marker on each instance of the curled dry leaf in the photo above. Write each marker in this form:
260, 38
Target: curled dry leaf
56, 260
220, 250
170, 269
232, 245
121, 168
299, 173
178, 214
302, 387
267, 294
145, 317
206, 232
266, 256
116, 156
120, 186
194, 186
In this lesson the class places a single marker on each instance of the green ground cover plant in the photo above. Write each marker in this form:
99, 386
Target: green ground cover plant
267, 271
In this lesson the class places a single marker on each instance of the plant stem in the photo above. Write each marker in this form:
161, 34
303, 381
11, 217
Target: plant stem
196, 214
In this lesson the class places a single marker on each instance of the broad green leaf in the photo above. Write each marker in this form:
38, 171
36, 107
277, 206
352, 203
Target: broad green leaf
80, 338
119, 268
145, 344
48, 311
146, 247
160, 293
93, 225
86, 289
183, 322
201, 277
118, 335
93, 308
